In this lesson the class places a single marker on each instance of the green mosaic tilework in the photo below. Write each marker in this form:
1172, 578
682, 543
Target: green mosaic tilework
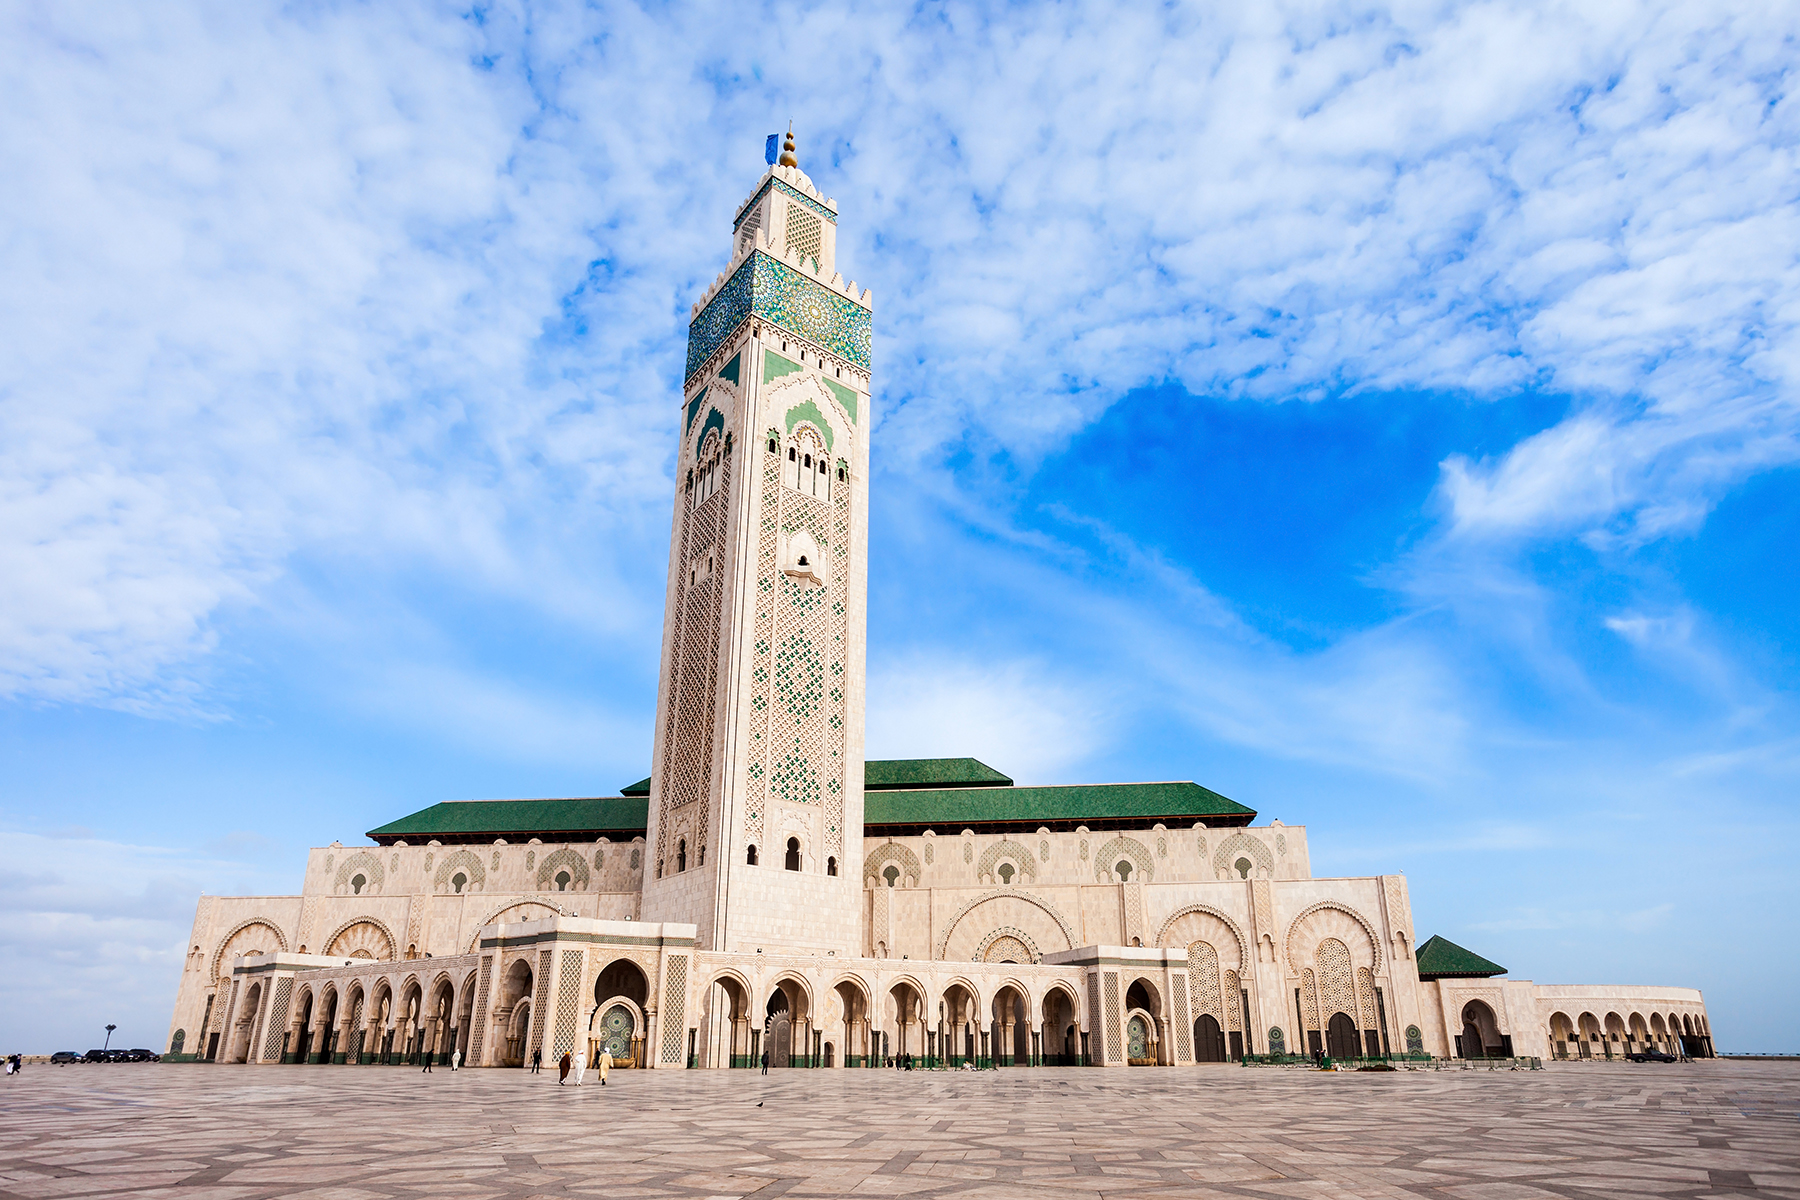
806, 410
799, 676
722, 314
845, 396
775, 366
693, 409
730, 369
794, 780
787, 190
788, 299
813, 311
713, 421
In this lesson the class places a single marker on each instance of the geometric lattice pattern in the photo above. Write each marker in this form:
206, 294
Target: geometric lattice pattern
805, 233
1365, 995
1203, 980
1309, 1000
798, 659
1184, 1039
481, 1010
694, 667
1114, 1037
1337, 989
277, 1023
569, 992
674, 1013
538, 1013
1234, 1003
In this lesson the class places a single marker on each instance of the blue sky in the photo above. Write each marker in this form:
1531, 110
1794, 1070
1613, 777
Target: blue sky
1383, 414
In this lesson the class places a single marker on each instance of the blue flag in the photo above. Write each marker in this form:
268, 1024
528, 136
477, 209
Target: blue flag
769, 148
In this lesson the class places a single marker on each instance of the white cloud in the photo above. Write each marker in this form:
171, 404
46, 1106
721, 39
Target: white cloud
1016, 716
94, 933
354, 287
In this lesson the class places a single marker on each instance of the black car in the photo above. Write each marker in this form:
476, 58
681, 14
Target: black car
64, 1057
142, 1056
1651, 1056
118, 1056
96, 1056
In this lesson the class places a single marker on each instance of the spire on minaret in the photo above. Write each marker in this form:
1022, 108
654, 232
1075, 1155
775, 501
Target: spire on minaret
788, 158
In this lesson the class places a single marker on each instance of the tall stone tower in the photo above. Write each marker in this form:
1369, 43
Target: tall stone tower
756, 795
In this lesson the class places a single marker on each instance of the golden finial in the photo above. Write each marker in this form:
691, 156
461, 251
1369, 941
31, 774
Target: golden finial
787, 158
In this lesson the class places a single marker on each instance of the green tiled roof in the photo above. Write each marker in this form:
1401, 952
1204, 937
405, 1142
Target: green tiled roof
640, 788
963, 798
1090, 804
461, 820
1440, 958
887, 774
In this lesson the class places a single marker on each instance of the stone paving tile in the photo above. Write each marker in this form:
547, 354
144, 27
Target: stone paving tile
1574, 1132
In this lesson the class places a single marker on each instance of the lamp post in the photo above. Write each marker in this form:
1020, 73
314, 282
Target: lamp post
105, 1046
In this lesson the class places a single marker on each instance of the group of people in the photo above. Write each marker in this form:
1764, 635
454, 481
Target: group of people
570, 1065
455, 1061
14, 1064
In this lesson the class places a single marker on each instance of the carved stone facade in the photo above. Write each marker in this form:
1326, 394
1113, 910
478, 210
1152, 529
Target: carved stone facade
743, 901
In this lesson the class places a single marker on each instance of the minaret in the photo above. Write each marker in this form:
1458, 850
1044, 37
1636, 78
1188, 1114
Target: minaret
756, 802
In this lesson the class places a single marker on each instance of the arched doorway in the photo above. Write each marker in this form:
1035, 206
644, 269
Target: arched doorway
906, 1010
959, 1035
1481, 1033
853, 1005
778, 1030
326, 1042
1062, 1036
240, 1034
728, 1023
1011, 1028
514, 1014
303, 1039
1139, 1049
1340, 1037
1209, 1040
616, 1026
1144, 1012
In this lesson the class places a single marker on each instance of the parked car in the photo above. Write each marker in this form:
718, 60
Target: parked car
95, 1056
1651, 1056
64, 1057
141, 1055
118, 1056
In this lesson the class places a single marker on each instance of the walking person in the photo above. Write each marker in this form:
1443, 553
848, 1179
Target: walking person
605, 1064
456, 1059
426, 1069
562, 1071
580, 1065
765, 1062
537, 1061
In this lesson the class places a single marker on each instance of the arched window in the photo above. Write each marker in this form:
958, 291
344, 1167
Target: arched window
831, 865
457, 881
793, 854
750, 856
562, 881
357, 883
1123, 867
1242, 866
681, 855
892, 875
807, 469
1006, 873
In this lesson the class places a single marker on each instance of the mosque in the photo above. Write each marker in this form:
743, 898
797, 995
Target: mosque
767, 890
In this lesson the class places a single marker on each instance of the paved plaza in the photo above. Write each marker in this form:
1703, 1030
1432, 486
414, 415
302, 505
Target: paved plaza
336, 1133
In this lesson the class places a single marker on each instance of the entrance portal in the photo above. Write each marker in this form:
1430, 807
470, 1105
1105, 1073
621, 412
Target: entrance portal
1209, 1040
1340, 1037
